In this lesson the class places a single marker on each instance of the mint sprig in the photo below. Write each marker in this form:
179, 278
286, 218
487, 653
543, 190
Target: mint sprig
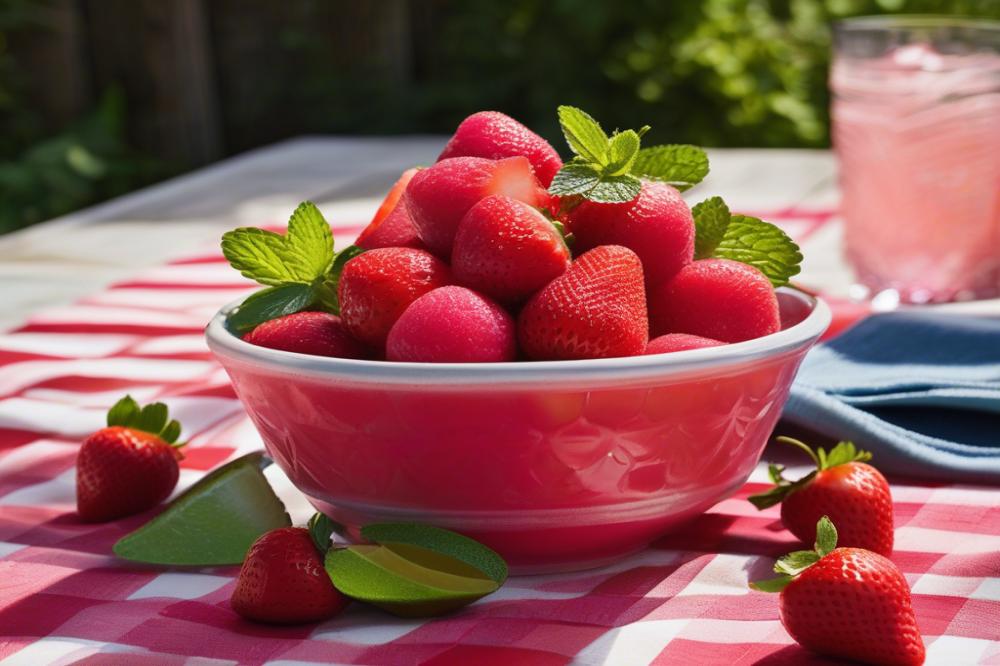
295, 266
749, 240
609, 169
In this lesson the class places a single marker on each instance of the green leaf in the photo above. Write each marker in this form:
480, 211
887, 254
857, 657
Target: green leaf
680, 165
124, 412
826, 536
615, 189
761, 245
584, 135
152, 418
309, 242
574, 179
271, 303
772, 584
442, 541
778, 493
214, 522
171, 432
845, 452
797, 562
775, 472
711, 219
326, 293
321, 528
622, 153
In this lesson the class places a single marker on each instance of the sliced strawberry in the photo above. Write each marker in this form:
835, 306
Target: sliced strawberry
316, 333
391, 226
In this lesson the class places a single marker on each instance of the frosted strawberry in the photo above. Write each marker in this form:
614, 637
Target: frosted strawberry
438, 197
392, 226
596, 309
494, 135
507, 250
316, 333
715, 298
657, 225
453, 325
376, 287
675, 342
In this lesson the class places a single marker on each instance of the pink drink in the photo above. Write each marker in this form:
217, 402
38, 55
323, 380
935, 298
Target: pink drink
916, 125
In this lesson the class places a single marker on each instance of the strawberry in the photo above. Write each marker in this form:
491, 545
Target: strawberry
852, 493
391, 226
283, 581
316, 333
452, 325
596, 309
846, 602
719, 299
657, 225
507, 250
494, 135
377, 286
675, 342
438, 197
129, 466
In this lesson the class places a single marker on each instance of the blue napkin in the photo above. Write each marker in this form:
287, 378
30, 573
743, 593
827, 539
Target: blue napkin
921, 391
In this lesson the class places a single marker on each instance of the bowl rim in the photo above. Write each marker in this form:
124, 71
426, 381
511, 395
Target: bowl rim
225, 344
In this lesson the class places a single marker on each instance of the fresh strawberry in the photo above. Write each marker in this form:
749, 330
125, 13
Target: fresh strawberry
596, 309
283, 581
438, 197
675, 342
657, 225
391, 226
377, 286
852, 493
846, 602
507, 250
715, 298
453, 325
129, 466
316, 333
494, 135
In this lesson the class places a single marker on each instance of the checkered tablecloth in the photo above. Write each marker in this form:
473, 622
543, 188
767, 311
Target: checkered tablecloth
64, 598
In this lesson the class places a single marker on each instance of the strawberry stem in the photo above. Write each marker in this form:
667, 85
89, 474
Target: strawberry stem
802, 445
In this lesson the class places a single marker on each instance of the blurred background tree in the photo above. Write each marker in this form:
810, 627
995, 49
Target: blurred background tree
98, 97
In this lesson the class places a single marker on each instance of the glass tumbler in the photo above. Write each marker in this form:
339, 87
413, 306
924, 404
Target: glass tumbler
916, 128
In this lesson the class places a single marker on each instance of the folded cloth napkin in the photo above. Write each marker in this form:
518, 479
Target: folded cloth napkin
921, 391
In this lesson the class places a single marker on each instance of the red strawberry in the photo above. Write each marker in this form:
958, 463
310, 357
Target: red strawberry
846, 602
129, 466
853, 494
596, 309
378, 285
715, 298
494, 135
657, 225
507, 250
439, 197
391, 226
675, 342
316, 333
283, 581
453, 325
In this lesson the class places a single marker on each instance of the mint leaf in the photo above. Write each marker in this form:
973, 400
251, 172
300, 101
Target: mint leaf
711, 219
761, 245
123, 412
622, 153
680, 165
584, 134
615, 189
309, 243
271, 303
258, 254
826, 536
574, 179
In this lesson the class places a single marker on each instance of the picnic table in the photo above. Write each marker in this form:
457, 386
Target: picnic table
112, 299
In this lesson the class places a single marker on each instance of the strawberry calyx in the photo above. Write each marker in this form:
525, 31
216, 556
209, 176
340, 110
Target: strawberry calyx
842, 453
794, 563
154, 419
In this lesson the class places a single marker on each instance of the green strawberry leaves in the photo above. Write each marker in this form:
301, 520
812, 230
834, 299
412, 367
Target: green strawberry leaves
608, 169
299, 268
746, 239
153, 418
794, 563
843, 452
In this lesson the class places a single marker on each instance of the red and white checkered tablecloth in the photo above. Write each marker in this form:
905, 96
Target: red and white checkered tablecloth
64, 598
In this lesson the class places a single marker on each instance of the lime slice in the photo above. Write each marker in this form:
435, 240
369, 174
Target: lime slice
214, 522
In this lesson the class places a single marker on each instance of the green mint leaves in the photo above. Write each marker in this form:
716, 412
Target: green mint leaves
607, 169
296, 267
749, 240
793, 564
152, 418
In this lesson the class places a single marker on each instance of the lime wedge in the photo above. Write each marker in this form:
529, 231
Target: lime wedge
214, 522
